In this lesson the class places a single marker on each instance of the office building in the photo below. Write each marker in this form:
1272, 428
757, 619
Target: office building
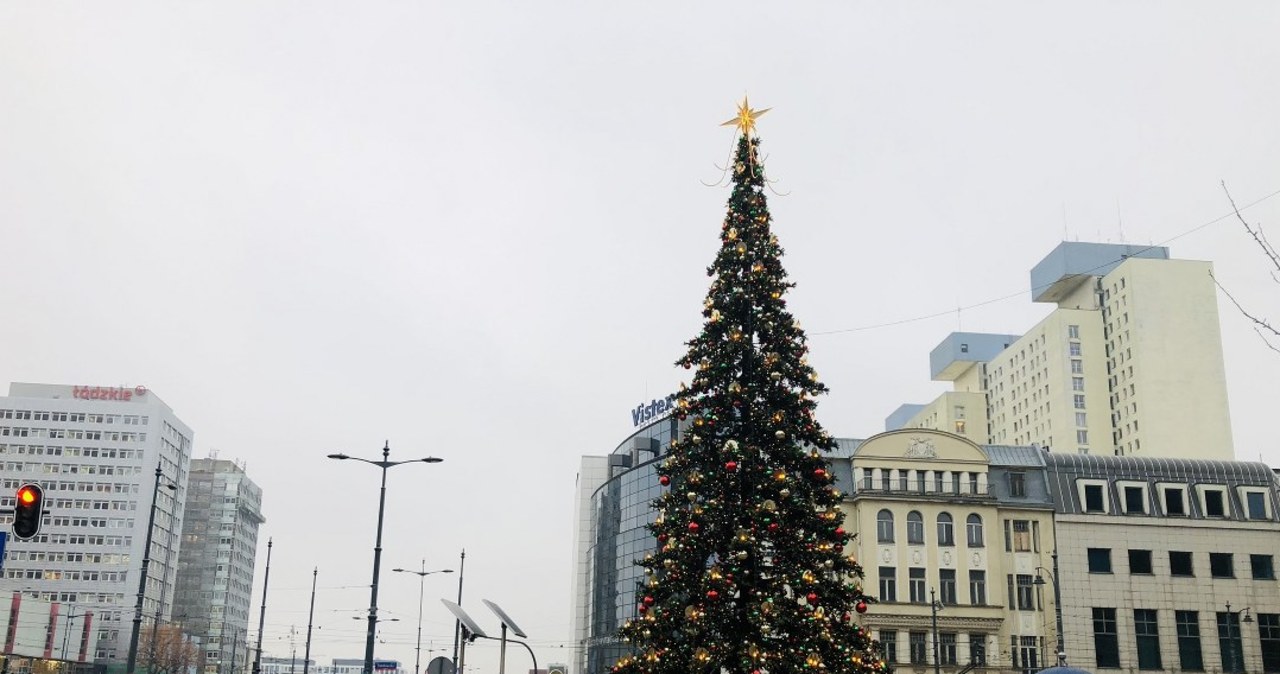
94, 450
1129, 363
215, 568
1167, 564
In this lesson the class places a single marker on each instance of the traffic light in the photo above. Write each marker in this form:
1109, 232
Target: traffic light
28, 510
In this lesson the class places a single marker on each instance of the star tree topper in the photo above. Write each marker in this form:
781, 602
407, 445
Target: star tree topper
746, 119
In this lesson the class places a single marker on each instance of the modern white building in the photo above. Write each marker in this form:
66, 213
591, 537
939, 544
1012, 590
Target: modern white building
94, 450
215, 569
1129, 363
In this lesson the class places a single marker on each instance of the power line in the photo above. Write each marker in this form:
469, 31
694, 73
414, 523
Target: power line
1002, 298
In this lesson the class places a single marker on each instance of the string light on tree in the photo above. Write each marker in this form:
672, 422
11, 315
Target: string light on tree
750, 574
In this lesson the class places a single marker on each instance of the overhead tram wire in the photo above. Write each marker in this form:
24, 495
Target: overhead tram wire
949, 312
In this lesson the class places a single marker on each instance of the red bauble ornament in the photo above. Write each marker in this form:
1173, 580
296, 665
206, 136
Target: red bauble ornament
693, 527
664, 480
861, 607
773, 527
820, 473
731, 466
840, 531
712, 594
641, 608
813, 597
648, 601
662, 538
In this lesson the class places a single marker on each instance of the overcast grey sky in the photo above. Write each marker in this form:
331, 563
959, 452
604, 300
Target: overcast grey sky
480, 231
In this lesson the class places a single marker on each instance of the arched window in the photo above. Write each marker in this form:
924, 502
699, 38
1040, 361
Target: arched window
884, 526
946, 530
973, 527
915, 527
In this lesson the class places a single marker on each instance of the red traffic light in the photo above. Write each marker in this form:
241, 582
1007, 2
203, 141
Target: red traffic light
28, 511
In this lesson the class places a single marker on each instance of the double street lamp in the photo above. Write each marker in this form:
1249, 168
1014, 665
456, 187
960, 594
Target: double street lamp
1235, 648
422, 574
384, 464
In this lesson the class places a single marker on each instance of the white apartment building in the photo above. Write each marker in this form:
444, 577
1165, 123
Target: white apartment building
94, 450
1129, 363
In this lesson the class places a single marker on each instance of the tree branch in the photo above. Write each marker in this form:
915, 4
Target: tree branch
1259, 324
1257, 234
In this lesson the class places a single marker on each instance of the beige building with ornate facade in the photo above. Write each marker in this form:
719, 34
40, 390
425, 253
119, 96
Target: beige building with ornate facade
941, 519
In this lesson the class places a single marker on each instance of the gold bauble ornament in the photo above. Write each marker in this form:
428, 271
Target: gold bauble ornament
781, 435
733, 233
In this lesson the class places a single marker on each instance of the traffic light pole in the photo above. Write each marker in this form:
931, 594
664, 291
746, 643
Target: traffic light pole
132, 664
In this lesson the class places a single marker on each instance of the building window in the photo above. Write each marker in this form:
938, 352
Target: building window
916, 642
960, 427
946, 530
1230, 644
1082, 437
973, 530
947, 586
915, 527
889, 645
1262, 567
1077, 383
1146, 631
1018, 485
1074, 349
1140, 561
947, 648
915, 583
1257, 505
964, 348
1180, 563
1073, 332
1021, 536
1078, 400
1269, 633
1221, 565
1082, 419
1026, 593
888, 583
884, 526
1093, 502
1173, 504
1099, 560
1106, 644
978, 588
1214, 504
1077, 366
1135, 500
1189, 655
978, 649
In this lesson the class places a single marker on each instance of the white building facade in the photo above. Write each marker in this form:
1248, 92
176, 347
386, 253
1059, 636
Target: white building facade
94, 451
1129, 363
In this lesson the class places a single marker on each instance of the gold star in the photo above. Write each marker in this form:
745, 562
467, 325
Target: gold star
746, 119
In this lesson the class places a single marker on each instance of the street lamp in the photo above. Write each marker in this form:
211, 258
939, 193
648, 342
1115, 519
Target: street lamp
935, 606
417, 652
384, 464
132, 663
1057, 605
1235, 656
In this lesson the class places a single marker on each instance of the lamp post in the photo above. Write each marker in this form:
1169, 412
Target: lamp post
384, 464
132, 664
1236, 655
422, 574
1057, 605
934, 606
457, 624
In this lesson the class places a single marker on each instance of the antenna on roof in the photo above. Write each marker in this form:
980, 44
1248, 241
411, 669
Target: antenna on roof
1119, 221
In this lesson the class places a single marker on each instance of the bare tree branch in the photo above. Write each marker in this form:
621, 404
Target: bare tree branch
1259, 324
1256, 233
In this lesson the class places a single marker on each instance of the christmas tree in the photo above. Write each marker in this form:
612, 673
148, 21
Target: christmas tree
749, 574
